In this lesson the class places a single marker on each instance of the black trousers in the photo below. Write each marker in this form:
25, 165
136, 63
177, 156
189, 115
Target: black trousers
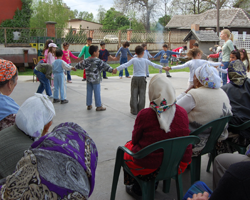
138, 94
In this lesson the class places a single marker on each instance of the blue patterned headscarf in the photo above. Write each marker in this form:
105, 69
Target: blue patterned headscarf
237, 73
60, 165
208, 76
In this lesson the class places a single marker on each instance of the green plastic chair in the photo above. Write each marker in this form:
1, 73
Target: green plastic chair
217, 126
236, 128
173, 149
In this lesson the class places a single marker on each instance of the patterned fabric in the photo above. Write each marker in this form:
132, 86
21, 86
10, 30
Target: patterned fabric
129, 180
7, 70
60, 165
208, 76
163, 106
66, 56
160, 88
7, 121
237, 73
45, 69
94, 68
198, 187
8, 106
104, 55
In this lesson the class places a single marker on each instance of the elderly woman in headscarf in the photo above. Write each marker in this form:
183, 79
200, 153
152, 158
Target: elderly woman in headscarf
33, 120
205, 102
238, 92
8, 81
162, 120
59, 165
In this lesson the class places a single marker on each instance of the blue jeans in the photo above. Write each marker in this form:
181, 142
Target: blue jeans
44, 83
59, 85
104, 74
97, 93
224, 76
123, 60
68, 76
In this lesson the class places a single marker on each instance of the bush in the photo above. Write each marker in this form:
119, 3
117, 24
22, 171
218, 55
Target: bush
135, 39
72, 37
149, 39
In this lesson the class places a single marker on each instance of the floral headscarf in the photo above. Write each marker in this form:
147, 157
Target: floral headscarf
237, 73
208, 76
162, 100
60, 165
7, 70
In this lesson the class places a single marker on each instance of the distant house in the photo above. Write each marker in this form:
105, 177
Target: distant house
8, 8
234, 19
205, 38
76, 23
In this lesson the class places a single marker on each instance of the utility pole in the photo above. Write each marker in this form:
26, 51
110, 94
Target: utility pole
218, 17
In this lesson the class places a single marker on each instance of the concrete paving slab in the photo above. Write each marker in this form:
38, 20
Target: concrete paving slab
109, 129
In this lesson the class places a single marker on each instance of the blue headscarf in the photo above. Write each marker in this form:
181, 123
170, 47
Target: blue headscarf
8, 106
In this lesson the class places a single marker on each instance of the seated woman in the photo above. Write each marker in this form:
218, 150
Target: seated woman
162, 120
205, 102
59, 165
238, 92
32, 121
8, 81
233, 185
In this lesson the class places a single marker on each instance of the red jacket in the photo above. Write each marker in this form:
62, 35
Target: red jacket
217, 55
147, 131
176, 50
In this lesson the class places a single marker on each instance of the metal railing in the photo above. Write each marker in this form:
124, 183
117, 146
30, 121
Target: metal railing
242, 42
21, 35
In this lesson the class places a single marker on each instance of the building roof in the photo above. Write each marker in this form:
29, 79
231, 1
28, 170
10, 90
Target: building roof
234, 17
81, 20
202, 36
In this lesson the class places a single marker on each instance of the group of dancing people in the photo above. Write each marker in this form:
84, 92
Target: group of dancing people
62, 164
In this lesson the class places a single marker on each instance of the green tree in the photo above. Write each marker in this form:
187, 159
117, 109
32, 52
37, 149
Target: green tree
101, 14
245, 4
21, 17
86, 16
135, 24
164, 20
115, 20
50, 10
75, 12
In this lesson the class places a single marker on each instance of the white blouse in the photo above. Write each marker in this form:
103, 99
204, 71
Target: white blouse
186, 101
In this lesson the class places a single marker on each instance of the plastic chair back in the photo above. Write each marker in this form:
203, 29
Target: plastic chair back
173, 151
217, 126
241, 127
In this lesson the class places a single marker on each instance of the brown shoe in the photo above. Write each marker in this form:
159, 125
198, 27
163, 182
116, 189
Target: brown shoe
89, 107
101, 108
120, 77
128, 76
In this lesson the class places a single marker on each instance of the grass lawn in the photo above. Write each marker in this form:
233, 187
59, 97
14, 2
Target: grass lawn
152, 70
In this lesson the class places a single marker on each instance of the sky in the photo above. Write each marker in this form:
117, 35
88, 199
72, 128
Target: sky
89, 5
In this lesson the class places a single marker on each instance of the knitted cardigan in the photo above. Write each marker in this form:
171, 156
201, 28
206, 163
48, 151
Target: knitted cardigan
147, 131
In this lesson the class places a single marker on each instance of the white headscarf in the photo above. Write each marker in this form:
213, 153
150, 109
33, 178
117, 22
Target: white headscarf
162, 100
34, 114
208, 76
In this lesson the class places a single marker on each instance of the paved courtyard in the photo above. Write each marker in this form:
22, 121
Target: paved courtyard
109, 129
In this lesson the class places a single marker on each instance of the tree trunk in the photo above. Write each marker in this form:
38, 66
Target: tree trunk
198, 6
194, 6
148, 20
